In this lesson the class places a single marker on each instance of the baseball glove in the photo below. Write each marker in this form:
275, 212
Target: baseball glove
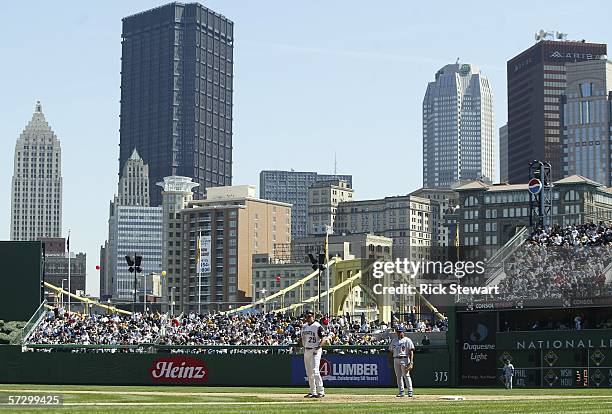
409, 367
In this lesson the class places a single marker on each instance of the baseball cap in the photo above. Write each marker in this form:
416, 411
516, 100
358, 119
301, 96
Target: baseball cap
309, 313
399, 328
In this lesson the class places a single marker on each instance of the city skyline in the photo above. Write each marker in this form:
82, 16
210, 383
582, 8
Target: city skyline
383, 64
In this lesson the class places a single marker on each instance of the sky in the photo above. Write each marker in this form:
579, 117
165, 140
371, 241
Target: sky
313, 80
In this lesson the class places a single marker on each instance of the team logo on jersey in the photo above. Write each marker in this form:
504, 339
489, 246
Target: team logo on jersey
178, 369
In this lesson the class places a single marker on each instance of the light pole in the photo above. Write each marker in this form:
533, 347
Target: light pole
164, 287
318, 264
263, 294
63, 280
172, 300
145, 288
133, 267
319, 291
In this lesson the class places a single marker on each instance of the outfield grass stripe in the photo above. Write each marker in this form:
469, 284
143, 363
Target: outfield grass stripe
330, 393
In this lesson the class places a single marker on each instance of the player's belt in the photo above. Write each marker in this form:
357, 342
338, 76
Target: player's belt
314, 349
401, 357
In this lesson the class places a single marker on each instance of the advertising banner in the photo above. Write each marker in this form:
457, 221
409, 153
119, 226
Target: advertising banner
205, 254
477, 349
178, 369
362, 370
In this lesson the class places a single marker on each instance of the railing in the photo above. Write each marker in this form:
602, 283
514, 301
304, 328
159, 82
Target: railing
85, 301
30, 324
507, 249
155, 348
498, 260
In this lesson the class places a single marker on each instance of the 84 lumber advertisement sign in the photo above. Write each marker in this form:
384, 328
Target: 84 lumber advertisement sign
346, 370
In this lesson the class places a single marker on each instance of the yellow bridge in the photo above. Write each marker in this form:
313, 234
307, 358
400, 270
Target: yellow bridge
344, 276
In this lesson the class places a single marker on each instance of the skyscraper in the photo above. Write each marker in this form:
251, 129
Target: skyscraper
133, 228
176, 94
134, 183
586, 120
458, 127
536, 79
36, 205
292, 187
503, 153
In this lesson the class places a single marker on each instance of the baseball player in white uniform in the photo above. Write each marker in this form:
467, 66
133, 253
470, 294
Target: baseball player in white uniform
313, 339
508, 372
401, 349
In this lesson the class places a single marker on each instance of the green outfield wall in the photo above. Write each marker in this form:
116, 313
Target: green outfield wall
162, 368
22, 273
548, 359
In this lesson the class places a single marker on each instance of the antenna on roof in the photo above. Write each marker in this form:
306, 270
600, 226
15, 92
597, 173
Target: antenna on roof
335, 166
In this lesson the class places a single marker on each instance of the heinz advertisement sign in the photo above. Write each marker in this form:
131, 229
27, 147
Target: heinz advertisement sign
178, 370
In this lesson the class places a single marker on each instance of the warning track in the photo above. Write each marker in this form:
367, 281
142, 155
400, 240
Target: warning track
285, 398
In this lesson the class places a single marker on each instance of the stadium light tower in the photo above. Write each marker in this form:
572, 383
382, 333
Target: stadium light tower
540, 194
318, 263
134, 267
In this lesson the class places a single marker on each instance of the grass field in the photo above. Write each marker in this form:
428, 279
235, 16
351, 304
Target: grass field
160, 399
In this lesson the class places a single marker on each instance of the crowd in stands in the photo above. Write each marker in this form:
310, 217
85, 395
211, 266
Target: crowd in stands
560, 263
561, 318
214, 329
61, 327
412, 322
578, 235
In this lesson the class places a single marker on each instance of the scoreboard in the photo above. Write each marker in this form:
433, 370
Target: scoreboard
559, 368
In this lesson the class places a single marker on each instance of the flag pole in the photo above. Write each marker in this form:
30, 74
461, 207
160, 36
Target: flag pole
199, 253
328, 230
69, 291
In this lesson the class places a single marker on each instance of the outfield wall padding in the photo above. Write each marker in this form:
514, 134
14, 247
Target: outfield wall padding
431, 369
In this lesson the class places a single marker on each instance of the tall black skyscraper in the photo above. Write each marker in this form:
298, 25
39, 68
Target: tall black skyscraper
536, 81
176, 94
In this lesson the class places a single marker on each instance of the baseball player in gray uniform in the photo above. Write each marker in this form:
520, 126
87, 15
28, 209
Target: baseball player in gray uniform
313, 339
401, 349
508, 371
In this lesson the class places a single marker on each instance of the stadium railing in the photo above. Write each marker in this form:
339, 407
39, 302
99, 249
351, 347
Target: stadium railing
497, 262
158, 348
511, 245
30, 324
